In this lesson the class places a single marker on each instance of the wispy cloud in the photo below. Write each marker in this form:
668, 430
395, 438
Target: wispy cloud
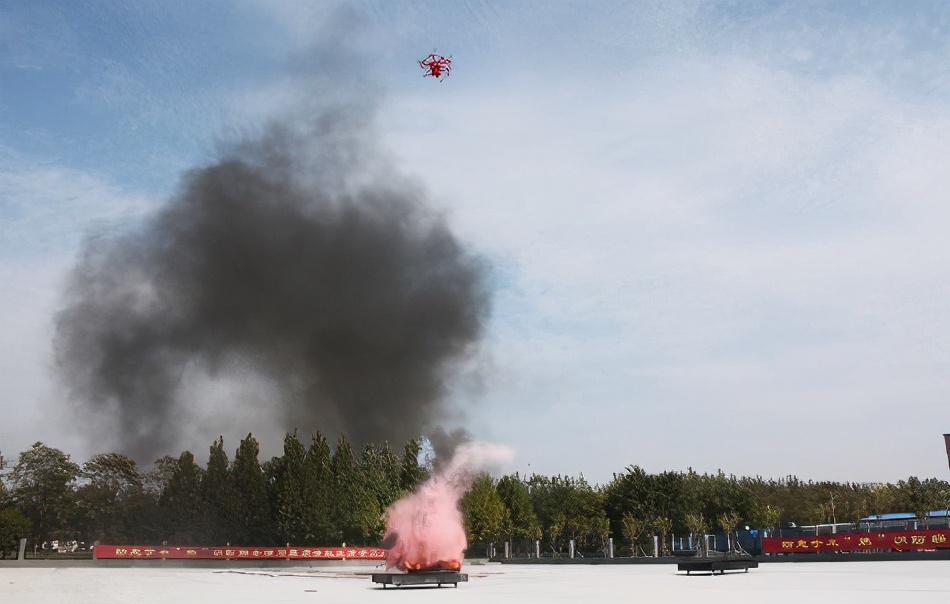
716, 234
46, 208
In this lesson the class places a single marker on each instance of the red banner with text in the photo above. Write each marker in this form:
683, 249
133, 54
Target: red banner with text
856, 542
163, 552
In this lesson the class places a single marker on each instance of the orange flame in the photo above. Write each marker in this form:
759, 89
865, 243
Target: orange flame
440, 565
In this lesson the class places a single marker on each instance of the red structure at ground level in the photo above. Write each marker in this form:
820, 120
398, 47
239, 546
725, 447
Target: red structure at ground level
919, 540
230, 552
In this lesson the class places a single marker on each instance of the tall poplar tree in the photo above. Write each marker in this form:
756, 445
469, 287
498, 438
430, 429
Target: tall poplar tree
356, 511
218, 498
253, 518
289, 503
317, 491
180, 502
380, 468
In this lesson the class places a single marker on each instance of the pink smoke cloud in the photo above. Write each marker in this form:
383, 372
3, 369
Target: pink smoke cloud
425, 529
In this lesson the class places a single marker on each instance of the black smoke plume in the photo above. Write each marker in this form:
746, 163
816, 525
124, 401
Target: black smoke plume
297, 258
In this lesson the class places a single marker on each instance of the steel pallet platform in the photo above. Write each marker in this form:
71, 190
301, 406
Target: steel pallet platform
434, 577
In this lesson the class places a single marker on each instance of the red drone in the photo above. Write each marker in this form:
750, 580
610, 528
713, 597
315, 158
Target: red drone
436, 66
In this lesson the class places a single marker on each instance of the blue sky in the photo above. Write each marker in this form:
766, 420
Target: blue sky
719, 231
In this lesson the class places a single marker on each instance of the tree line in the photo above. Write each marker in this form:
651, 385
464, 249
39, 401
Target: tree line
317, 495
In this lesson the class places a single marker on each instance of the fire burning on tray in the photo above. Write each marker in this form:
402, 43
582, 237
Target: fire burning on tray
425, 530
409, 567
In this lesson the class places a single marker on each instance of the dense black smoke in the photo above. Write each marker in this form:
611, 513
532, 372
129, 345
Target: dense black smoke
297, 258
443, 442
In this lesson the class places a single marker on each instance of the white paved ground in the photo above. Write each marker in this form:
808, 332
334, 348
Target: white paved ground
799, 583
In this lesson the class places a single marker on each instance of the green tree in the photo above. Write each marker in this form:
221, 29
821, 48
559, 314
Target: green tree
629, 493
663, 526
5, 498
698, 527
180, 502
42, 488
157, 477
486, 516
633, 530
111, 482
254, 526
218, 498
768, 517
380, 469
342, 470
585, 521
555, 532
921, 496
728, 521
935, 495
884, 498
524, 527
356, 511
317, 491
719, 494
567, 508
670, 499
600, 532
289, 510
411, 473
13, 527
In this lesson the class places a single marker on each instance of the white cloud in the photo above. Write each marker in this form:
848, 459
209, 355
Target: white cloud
715, 234
46, 208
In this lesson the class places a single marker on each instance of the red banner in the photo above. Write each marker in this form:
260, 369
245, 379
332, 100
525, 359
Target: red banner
856, 542
162, 552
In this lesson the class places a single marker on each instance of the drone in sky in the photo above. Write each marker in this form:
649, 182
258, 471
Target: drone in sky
436, 66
